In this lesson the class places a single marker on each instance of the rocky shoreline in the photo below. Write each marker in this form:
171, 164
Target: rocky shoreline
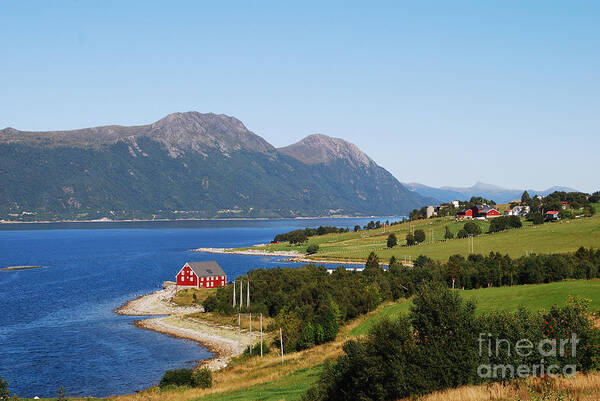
292, 256
223, 341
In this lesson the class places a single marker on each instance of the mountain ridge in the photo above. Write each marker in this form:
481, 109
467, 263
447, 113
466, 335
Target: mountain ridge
488, 191
189, 165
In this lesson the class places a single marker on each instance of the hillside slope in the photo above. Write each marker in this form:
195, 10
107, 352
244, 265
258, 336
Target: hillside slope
187, 165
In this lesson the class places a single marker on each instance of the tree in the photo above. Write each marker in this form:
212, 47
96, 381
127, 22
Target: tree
536, 218
356, 229
462, 233
419, 236
525, 198
448, 234
202, 378
472, 228
61, 393
410, 240
313, 248
372, 260
4, 393
394, 262
392, 241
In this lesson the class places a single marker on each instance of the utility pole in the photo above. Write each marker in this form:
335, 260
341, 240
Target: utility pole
248, 295
251, 333
239, 325
233, 294
241, 293
431, 232
281, 343
261, 338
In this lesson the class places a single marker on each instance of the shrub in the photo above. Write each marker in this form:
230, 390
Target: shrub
313, 248
202, 378
177, 377
392, 241
410, 240
372, 260
448, 234
256, 349
536, 218
462, 233
472, 228
419, 236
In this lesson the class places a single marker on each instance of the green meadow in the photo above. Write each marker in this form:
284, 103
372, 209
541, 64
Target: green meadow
533, 297
556, 237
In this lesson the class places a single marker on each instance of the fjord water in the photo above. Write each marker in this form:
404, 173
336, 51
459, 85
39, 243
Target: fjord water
57, 325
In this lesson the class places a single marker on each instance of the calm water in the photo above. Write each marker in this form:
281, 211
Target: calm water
56, 323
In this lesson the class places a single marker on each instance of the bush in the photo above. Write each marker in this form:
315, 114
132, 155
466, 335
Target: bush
177, 377
536, 218
448, 234
202, 378
372, 260
410, 240
472, 228
313, 248
392, 241
419, 236
462, 233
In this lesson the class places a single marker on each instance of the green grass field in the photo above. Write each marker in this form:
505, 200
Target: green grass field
533, 297
289, 388
556, 237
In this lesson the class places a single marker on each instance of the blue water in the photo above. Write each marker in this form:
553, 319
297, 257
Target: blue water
57, 325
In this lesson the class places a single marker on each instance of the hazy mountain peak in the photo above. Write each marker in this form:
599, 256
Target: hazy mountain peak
319, 148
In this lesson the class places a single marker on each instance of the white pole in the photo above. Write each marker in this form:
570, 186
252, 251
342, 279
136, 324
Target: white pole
261, 338
241, 293
281, 342
239, 325
234, 293
248, 294
250, 333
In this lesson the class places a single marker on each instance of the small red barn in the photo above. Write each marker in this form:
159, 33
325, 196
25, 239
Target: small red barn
484, 212
201, 275
464, 214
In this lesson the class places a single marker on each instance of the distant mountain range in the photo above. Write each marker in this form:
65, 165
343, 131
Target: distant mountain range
487, 191
189, 165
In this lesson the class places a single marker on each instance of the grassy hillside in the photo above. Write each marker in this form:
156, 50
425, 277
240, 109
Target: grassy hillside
267, 379
533, 297
561, 236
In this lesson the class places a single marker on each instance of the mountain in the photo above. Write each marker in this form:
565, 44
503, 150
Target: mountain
189, 165
488, 191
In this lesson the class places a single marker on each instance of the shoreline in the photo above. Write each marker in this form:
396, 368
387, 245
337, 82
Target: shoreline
222, 341
293, 256
16, 268
9, 222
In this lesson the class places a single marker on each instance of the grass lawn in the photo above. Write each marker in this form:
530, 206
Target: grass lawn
534, 297
185, 297
289, 388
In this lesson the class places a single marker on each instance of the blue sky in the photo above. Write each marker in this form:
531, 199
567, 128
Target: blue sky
442, 93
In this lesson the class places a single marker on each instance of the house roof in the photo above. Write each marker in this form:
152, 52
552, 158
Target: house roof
208, 268
552, 212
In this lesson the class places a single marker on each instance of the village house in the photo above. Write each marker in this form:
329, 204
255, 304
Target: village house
430, 211
464, 214
482, 212
201, 275
517, 211
552, 215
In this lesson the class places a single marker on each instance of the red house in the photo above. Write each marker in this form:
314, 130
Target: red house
201, 275
464, 214
484, 212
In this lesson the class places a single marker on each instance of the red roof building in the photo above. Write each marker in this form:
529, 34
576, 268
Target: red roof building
201, 275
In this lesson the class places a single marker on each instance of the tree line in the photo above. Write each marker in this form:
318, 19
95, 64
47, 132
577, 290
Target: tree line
442, 344
310, 304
